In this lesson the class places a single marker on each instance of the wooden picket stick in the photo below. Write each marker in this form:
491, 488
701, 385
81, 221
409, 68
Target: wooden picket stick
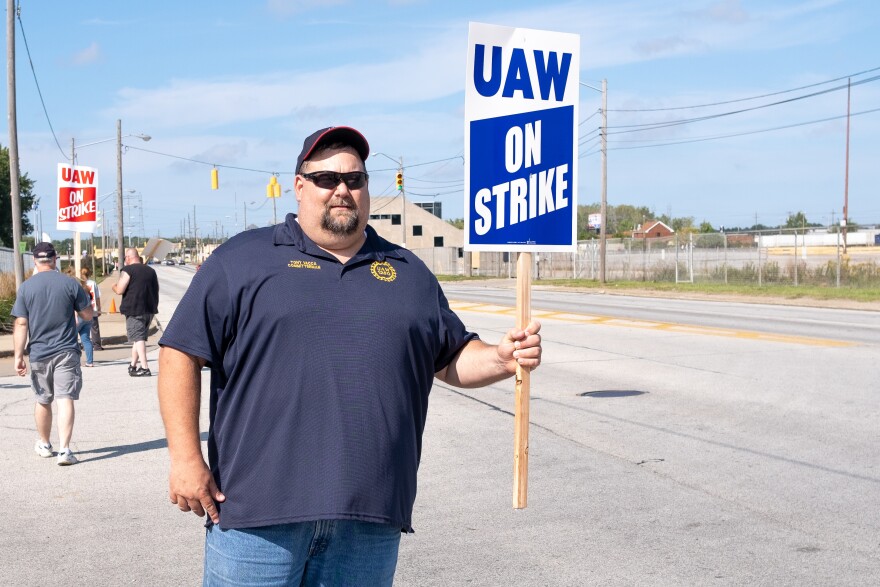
521, 414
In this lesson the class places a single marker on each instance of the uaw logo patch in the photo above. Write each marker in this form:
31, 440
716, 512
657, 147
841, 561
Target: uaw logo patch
383, 271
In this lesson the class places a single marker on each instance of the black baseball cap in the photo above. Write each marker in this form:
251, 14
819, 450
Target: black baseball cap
333, 134
44, 251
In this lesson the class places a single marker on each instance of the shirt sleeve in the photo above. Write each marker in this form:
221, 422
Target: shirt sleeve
202, 322
19, 309
453, 334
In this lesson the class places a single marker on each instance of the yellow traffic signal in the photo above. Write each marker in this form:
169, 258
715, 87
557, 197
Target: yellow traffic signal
215, 179
400, 180
273, 189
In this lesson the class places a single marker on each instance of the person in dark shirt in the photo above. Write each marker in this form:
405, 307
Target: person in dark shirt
46, 307
139, 288
323, 341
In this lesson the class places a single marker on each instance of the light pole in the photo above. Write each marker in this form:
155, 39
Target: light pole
102, 221
603, 211
120, 238
402, 193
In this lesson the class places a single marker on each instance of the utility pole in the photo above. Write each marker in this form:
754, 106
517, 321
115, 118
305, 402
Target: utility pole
603, 231
846, 176
403, 213
603, 210
77, 237
14, 179
196, 233
120, 207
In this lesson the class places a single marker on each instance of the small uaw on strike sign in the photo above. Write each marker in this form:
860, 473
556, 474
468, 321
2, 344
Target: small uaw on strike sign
520, 152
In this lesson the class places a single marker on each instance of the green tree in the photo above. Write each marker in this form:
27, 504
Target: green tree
457, 222
796, 220
26, 186
706, 227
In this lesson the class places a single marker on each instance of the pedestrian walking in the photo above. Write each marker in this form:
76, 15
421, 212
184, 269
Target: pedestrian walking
84, 330
323, 341
45, 329
139, 287
95, 295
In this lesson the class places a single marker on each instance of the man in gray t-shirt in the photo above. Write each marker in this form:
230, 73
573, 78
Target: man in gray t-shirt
45, 321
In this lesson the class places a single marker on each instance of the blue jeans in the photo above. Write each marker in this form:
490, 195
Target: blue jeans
84, 328
326, 553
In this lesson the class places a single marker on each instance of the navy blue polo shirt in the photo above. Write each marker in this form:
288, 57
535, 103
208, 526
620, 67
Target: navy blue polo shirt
320, 374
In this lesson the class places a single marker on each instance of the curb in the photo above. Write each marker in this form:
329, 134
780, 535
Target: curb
105, 340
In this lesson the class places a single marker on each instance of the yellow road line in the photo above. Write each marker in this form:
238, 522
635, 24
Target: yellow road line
648, 325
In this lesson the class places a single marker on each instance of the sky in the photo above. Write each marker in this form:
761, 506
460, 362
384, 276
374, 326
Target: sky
240, 84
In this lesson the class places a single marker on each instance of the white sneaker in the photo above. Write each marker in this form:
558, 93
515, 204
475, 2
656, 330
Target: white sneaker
44, 450
65, 457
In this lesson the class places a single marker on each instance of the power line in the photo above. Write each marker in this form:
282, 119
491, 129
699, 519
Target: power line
422, 195
837, 79
741, 134
657, 125
596, 113
435, 182
36, 82
207, 162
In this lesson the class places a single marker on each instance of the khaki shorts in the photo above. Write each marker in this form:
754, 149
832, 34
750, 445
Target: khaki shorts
58, 376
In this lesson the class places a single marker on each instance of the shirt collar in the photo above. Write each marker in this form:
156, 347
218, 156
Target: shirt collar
290, 233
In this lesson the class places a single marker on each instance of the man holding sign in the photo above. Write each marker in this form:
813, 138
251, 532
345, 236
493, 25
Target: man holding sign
323, 341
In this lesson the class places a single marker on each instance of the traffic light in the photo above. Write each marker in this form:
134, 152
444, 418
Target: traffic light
400, 180
273, 188
215, 179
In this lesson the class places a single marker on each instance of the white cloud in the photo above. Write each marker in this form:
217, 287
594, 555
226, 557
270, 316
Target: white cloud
432, 66
88, 55
290, 7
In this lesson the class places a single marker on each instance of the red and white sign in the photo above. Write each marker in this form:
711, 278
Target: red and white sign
77, 198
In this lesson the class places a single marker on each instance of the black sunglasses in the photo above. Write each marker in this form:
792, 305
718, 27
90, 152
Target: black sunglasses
328, 180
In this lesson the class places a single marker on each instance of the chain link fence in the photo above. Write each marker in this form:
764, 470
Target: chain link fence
7, 260
778, 257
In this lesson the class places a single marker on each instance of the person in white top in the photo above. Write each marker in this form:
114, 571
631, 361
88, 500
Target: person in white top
95, 295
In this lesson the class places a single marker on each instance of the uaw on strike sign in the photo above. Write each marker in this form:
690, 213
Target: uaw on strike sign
77, 198
521, 111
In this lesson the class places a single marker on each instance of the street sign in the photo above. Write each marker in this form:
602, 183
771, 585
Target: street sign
594, 221
77, 198
521, 112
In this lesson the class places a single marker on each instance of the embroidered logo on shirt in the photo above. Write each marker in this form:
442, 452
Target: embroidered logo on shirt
297, 264
383, 271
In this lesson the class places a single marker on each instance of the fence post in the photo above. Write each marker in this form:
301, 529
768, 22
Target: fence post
760, 268
795, 259
691, 256
724, 238
838, 257
676, 257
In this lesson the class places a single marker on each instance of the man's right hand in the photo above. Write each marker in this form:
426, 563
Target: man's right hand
191, 486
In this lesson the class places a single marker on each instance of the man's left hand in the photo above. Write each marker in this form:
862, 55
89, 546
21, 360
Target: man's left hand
521, 347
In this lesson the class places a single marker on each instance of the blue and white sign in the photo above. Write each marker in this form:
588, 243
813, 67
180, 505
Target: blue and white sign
521, 112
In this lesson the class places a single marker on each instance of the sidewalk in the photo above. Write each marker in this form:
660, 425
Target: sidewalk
112, 325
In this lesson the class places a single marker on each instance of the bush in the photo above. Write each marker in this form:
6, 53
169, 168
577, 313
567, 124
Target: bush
7, 299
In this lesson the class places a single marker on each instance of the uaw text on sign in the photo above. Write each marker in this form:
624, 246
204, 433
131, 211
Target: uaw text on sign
521, 108
77, 198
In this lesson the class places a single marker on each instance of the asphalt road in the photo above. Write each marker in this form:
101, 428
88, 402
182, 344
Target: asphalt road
665, 449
